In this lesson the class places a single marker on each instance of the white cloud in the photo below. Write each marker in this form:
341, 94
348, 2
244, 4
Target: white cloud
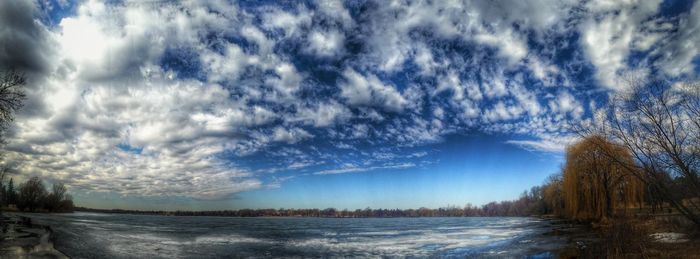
326, 44
496, 87
227, 66
527, 99
450, 82
359, 90
543, 71
324, 114
290, 136
510, 45
555, 145
336, 10
424, 59
290, 23
565, 104
287, 81
609, 33
501, 111
356, 169
678, 54
360, 131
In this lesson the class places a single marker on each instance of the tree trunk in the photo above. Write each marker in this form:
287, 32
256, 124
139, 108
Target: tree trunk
608, 204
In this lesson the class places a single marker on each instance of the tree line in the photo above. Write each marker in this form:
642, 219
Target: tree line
530, 203
32, 196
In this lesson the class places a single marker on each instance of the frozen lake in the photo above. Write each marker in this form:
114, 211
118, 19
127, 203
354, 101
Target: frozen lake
91, 235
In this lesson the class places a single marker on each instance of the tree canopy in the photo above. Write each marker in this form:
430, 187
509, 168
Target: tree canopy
596, 181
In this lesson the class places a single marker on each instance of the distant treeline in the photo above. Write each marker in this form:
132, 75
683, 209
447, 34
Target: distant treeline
32, 196
530, 203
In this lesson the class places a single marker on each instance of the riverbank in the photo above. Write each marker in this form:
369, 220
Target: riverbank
626, 238
21, 238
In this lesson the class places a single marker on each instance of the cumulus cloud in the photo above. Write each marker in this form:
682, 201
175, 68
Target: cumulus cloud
290, 136
324, 114
359, 90
326, 44
565, 104
609, 34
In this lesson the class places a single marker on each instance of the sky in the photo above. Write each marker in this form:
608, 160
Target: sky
311, 104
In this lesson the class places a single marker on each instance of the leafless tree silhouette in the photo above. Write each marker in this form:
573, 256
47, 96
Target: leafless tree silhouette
11, 95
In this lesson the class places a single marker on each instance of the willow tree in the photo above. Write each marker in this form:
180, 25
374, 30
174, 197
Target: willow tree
596, 179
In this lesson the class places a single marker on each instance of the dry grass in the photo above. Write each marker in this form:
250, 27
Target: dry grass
629, 238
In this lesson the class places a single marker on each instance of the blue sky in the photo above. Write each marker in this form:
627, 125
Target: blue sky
256, 104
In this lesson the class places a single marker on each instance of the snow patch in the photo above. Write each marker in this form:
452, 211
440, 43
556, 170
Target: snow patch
669, 237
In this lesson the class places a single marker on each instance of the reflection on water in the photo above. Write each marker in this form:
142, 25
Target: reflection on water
88, 235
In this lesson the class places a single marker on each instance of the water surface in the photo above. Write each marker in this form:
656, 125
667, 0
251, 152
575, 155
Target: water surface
91, 235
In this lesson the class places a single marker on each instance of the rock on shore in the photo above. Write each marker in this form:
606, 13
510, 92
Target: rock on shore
22, 239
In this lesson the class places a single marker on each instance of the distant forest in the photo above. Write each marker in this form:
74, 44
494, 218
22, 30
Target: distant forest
530, 203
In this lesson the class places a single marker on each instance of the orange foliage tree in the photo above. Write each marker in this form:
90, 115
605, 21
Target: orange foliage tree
595, 180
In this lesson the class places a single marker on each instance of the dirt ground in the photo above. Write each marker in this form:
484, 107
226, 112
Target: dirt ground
632, 238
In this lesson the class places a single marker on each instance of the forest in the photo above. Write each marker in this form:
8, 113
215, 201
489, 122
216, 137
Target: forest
524, 206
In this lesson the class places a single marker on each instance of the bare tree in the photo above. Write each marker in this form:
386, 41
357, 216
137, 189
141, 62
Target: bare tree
54, 199
11, 94
32, 194
659, 122
11, 97
3, 193
553, 194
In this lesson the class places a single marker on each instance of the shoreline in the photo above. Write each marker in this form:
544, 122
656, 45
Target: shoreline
578, 237
21, 238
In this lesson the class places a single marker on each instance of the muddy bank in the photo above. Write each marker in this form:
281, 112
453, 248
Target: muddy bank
22, 239
624, 238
